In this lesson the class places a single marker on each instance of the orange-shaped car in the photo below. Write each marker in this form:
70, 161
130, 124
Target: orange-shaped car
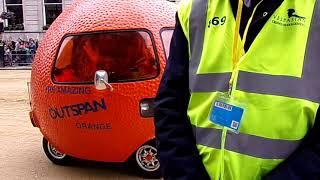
94, 78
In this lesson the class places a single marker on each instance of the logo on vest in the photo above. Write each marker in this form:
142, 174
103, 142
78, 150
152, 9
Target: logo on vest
292, 19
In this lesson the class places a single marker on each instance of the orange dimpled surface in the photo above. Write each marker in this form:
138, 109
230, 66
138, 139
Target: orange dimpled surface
121, 37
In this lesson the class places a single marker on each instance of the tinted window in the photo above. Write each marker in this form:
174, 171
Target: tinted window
52, 1
166, 36
126, 56
52, 12
18, 14
13, 1
15, 6
52, 9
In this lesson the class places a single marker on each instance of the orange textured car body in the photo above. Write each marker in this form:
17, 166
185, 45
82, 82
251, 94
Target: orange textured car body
78, 119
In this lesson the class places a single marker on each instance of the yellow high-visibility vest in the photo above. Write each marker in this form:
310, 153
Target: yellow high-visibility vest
278, 79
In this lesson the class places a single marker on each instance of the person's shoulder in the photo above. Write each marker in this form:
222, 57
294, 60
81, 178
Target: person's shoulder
184, 11
184, 5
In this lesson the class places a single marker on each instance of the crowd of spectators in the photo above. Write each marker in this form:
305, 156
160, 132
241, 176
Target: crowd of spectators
20, 52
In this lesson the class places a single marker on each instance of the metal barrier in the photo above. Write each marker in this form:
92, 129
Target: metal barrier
18, 59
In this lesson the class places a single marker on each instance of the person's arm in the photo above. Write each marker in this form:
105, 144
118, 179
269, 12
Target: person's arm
178, 154
304, 163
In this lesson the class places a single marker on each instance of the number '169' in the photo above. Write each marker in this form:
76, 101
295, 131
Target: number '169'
216, 21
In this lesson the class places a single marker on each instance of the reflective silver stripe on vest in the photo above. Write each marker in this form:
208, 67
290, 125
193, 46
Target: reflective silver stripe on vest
197, 24
208, 136
250, 145
307, 87
211, 82
260, 147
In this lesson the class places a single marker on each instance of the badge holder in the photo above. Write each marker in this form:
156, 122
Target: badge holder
227, 112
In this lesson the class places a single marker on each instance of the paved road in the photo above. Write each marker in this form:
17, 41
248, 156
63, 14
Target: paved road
21, 155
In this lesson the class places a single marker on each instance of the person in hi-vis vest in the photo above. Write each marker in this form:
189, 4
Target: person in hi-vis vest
239, 98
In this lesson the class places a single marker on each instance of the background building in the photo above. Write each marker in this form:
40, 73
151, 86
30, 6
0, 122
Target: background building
22, 34
32, 17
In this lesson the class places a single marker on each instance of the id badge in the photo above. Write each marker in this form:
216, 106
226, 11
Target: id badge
227, 112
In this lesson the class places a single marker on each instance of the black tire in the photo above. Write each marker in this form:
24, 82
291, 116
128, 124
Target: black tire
55, 156
145, 161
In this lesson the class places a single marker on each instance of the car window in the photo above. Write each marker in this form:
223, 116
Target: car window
124, 55
166, 36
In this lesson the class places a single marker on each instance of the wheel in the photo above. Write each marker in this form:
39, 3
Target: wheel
54, 155
146, 162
